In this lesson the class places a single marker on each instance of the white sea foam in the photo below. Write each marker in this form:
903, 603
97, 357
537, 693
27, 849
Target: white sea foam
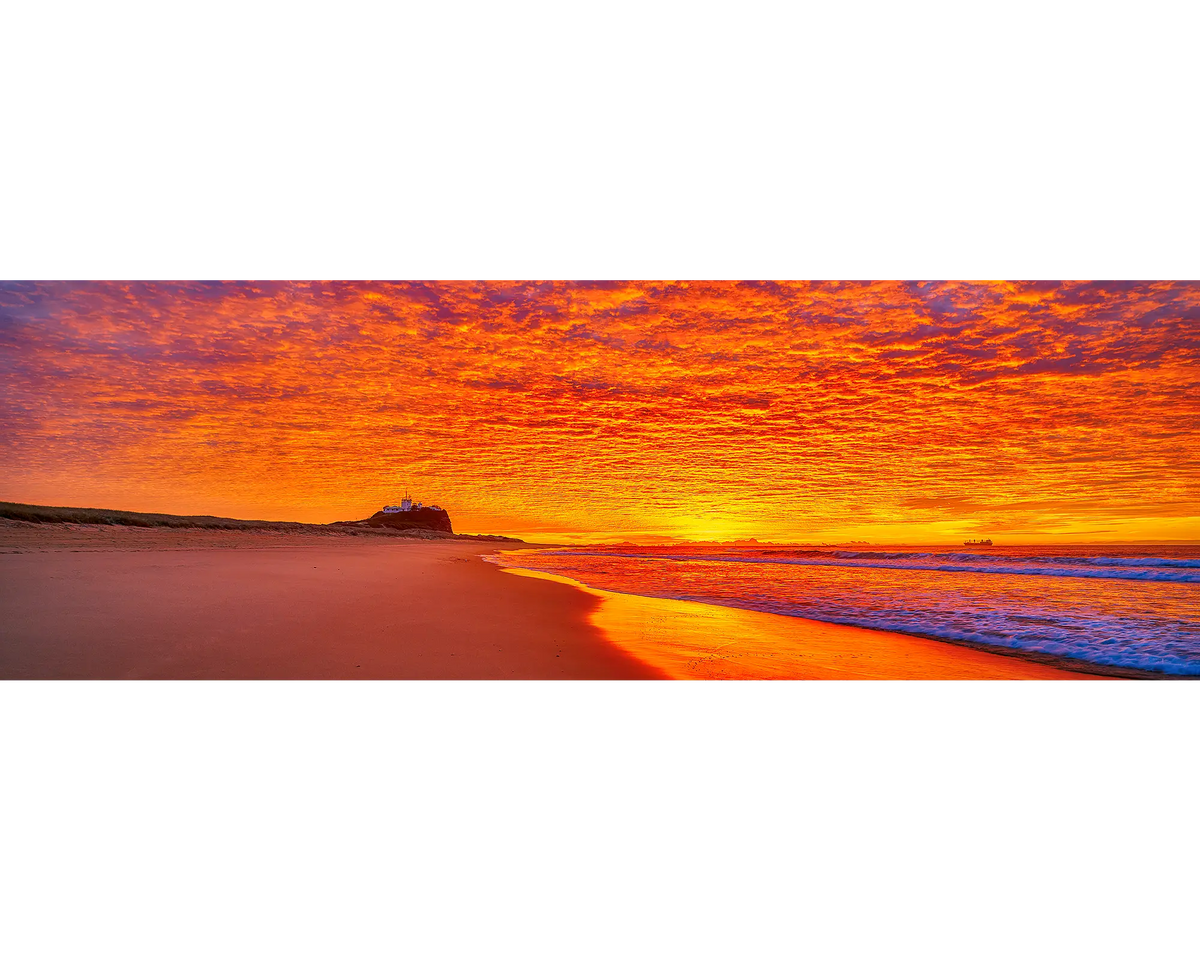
1148, 619
1098, 568
1117, 643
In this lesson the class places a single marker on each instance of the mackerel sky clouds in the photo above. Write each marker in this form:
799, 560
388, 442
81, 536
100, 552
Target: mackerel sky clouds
704, 410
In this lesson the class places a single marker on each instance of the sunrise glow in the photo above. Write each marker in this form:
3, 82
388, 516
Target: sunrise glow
886, 412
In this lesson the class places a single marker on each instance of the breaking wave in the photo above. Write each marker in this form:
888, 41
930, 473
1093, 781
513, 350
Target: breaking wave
1098, 568
1133, 608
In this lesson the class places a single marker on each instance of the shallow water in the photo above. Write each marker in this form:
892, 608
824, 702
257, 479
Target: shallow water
1124, 606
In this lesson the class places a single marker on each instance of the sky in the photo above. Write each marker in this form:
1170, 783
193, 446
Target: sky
791, 412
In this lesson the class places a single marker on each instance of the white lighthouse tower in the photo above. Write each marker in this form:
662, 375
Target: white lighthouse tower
405, 505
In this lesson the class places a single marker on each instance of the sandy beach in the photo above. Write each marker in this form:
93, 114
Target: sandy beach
128, 603
908, 460
82, 602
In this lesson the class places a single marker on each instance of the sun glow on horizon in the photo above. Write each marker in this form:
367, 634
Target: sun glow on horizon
808, 412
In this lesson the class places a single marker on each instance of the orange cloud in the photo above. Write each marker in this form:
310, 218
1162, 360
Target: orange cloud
782, 411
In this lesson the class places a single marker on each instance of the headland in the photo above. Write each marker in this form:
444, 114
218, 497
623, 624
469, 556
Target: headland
219, 599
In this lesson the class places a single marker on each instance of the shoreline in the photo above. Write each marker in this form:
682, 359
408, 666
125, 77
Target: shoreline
123, 602
1064, 664
221, 605
688, 639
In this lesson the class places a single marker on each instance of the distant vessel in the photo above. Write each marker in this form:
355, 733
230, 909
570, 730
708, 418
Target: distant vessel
977, 543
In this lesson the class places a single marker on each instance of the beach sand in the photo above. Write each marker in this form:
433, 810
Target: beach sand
111, 602
183, 604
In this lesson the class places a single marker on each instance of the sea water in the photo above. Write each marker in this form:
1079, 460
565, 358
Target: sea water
1128, 606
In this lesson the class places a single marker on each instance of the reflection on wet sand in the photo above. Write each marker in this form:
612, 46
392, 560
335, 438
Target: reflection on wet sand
688, 640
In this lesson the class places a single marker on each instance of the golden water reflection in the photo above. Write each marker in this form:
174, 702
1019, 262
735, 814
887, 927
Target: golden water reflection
700, 641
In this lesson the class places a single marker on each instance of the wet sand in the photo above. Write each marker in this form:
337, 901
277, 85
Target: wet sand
701, 641
84, 602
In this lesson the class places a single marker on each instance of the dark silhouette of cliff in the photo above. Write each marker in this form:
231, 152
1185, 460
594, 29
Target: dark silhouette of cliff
424, 524
422, 519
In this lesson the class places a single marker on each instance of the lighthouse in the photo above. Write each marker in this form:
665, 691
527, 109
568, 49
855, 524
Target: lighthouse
405, 505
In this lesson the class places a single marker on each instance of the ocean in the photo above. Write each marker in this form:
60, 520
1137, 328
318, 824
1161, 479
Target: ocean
1120, 606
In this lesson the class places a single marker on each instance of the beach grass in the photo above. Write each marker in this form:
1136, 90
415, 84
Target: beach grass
32, 513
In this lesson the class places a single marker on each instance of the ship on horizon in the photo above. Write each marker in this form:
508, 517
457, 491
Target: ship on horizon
977, 543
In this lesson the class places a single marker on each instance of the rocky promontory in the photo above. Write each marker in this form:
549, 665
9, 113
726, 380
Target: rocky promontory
422, 518
424, 522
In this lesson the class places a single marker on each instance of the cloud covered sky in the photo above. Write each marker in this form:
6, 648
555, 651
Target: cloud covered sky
810, 411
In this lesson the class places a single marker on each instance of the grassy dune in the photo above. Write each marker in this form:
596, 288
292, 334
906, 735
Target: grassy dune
32, 513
